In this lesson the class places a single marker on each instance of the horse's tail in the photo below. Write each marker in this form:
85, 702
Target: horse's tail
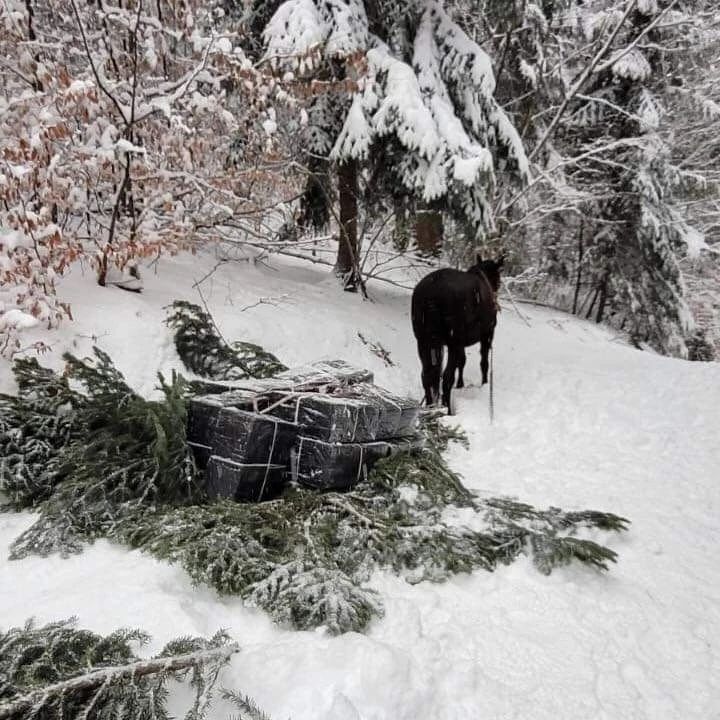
427, 320
417, 315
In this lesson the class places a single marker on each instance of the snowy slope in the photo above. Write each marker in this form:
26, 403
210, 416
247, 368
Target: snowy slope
582, 421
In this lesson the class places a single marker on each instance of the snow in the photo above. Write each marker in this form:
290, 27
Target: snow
581, 421
529, 72
294, 30
355, 137
12, 239
695, 243
223, 45
125, 146
632, 65
648, 7
467, 170
402, 110
15, 318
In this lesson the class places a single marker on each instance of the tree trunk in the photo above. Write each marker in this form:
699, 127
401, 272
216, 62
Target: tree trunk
428, 232
592, 304
578, 279
347, 258
603, 299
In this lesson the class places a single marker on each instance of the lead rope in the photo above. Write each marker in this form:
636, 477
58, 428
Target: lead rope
493, 294
492, 397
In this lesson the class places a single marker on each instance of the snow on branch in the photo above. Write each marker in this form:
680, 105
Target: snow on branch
119, 147
301, 32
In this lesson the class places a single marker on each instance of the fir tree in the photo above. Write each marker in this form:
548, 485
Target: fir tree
420, 117
205, 352
607, 220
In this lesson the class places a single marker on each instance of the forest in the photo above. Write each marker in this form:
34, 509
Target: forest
579, 138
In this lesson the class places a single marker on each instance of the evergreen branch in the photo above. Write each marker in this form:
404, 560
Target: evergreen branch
609, 63
245, 704
60, 671
121, 469
111, 675
205, 352
584, 75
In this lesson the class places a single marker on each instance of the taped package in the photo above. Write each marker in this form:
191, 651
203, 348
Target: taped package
341, 466
243, 482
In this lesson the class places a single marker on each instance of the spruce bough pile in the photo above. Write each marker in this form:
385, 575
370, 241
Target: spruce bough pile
61, 671
107, 463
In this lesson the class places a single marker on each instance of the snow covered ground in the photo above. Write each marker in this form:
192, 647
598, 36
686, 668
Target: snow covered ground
581, 421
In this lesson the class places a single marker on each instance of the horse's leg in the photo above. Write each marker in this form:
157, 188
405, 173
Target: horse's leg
485, 345
449, 377
461, 366
431, 357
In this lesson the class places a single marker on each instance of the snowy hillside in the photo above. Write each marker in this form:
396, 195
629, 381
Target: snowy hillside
581, 421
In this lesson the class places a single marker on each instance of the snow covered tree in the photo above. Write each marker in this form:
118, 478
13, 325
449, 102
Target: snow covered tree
636, 234
114, 140
410, 103
691, 131
604, 219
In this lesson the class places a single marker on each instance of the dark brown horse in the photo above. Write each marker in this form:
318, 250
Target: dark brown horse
456, 309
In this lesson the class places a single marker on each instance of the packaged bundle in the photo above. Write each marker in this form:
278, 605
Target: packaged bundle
335, 373
333, 418
203, 415
242, 481
397, 416
340, 466
244, 437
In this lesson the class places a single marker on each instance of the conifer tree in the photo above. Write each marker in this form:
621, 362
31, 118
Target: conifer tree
408, 97
637, 235
604, 221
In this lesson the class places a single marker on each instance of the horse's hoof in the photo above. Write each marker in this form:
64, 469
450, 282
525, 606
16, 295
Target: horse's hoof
460, 385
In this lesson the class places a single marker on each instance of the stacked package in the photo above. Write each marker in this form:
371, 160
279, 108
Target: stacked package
323, 426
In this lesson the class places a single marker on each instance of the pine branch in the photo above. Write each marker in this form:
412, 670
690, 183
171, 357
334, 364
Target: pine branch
125, 473
205, 352
58, 670
584, 75
246, 705
109, 676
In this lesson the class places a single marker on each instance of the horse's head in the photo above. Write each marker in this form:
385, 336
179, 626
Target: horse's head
490, 269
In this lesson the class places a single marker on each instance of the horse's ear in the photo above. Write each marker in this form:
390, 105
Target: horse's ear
500, 261
478, 259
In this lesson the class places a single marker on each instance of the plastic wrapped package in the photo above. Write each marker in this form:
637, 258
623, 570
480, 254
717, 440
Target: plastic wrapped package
247, 437
397, 416
325, 372
244, 482
203, 416
326, 423
323, 375
333, 418
341, 466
